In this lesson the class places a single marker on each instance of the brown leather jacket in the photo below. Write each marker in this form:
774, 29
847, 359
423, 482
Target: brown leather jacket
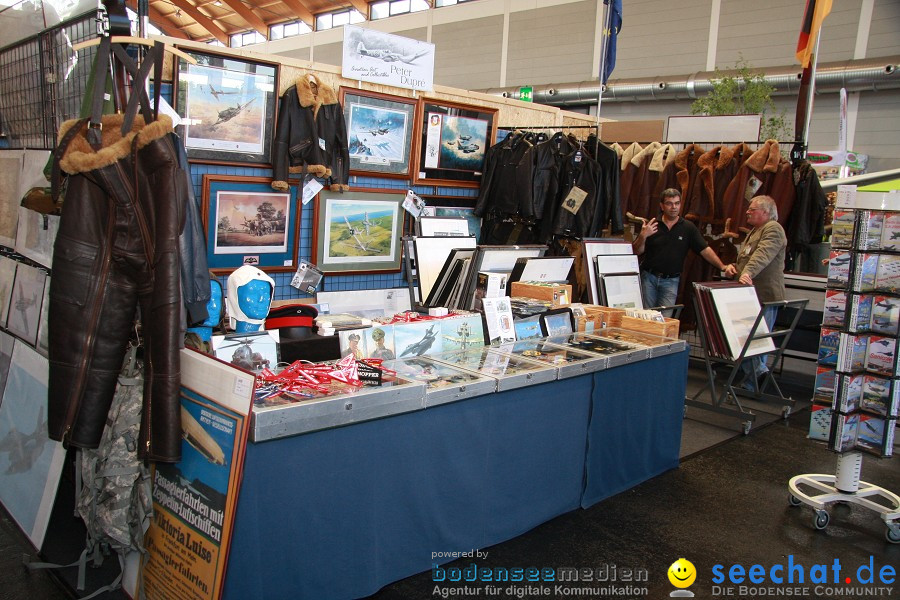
117, 251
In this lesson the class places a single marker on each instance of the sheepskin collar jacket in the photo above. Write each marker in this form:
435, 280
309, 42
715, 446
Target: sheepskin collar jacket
764, 173
311, 135
117, 249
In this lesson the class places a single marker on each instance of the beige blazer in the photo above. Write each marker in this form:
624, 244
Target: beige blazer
762, 258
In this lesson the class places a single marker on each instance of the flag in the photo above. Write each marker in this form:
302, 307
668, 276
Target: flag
615, 25
816, 11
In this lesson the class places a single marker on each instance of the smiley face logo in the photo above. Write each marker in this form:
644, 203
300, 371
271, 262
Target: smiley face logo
682, 573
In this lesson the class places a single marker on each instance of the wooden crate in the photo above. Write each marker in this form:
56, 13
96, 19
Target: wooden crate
612, 317
559, 294
667, 328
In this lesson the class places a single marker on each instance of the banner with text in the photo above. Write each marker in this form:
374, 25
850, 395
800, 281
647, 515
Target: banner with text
387, 59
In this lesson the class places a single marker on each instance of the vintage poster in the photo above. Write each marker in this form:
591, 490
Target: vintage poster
194, 500
378, 57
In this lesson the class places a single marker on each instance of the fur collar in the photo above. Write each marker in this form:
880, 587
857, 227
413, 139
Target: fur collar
638, 158
683, 159
741, 153
766, 158
716, 159
662, 158
315, 97
81, 157
619, 149
629, 153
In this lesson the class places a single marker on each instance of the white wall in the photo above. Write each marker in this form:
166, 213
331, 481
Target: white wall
555, 41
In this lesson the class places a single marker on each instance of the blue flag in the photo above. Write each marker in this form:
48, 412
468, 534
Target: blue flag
615, 25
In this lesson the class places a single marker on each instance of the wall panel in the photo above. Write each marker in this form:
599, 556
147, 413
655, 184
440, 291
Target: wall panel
468, 53
884, 34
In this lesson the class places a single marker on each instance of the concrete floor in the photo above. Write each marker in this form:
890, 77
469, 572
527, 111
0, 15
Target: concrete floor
725, 505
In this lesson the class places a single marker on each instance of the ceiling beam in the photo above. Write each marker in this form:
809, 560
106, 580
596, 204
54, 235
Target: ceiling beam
301, 11
362, 6
248, 15
161, 22
202, 20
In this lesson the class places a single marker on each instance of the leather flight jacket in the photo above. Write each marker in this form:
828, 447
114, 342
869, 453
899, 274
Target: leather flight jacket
311, 136
116, 253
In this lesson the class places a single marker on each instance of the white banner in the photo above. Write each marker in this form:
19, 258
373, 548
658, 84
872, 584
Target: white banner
388, 59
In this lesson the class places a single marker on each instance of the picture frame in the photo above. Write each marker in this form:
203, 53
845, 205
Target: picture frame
248, 223
621, 290
442, 226
228, 107
558, 321
358, 232
380, 132
591, 249
494, 258
452, 143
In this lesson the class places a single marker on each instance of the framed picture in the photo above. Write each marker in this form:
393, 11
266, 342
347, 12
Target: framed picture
358, 232
558, 321
228, 107
621, 290
379, 132
453, 143
246, 223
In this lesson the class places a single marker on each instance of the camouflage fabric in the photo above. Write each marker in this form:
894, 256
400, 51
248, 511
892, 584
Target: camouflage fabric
115, 500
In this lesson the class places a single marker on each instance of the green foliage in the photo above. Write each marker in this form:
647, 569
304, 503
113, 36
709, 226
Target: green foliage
744, 92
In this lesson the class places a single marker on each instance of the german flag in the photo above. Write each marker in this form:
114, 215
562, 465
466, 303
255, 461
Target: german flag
816, 11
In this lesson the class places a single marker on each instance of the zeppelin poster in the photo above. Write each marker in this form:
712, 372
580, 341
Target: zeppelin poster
194, 500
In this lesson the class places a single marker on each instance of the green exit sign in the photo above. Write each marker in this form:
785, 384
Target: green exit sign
526, 94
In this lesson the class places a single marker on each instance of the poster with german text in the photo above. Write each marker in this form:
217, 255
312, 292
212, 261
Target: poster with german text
194, 500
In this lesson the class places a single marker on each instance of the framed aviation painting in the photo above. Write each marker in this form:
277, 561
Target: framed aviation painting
228, 108
358, 231
247, 223
379, 132
453, 143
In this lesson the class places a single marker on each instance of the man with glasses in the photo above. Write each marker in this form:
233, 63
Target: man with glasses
665, 244
761, 264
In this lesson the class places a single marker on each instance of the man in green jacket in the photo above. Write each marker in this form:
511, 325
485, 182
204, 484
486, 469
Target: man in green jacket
761, 264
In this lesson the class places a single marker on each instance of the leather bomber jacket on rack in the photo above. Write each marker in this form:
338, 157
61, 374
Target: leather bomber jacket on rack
506, 186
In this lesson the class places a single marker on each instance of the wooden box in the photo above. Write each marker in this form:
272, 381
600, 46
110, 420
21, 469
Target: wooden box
667, 328
558, 293
606, 316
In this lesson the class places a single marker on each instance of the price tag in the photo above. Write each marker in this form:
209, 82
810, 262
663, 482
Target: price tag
574, 199
311, 187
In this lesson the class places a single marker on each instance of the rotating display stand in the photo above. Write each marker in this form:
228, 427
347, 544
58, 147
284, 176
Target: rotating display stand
728, 400
863, 304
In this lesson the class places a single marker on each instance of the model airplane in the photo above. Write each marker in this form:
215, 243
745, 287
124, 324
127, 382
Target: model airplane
195, 435
216, 93
389, 55
421, 347
230, 113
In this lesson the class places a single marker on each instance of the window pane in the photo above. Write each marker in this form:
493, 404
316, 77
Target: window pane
291, 29
236, 41
399, 7
303, 28
417, 5
378, 10
356, 16
341, 18
276, 32
323, 21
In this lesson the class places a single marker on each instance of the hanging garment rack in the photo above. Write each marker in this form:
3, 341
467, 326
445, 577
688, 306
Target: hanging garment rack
130, 39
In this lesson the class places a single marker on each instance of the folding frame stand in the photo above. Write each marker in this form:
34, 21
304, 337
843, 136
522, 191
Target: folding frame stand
728, 402
845, 486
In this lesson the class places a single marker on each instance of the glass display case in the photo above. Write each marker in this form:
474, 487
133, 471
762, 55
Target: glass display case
443, 383
658, 345
510, 371
569, 362
617, 352
335, 404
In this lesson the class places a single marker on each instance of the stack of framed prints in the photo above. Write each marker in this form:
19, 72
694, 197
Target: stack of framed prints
441, 266
493, 259
618, 279
728, 311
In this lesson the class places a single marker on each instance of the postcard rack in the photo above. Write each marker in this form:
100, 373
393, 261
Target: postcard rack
728, 400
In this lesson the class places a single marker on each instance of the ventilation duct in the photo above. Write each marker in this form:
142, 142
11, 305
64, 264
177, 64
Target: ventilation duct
854, 75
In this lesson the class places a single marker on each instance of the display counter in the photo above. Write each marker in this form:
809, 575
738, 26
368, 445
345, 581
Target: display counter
344, 511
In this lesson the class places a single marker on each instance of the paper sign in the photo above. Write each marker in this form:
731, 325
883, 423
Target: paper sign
311, 187
574, 200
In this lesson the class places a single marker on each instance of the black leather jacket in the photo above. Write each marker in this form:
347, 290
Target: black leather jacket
311, 132
506, 186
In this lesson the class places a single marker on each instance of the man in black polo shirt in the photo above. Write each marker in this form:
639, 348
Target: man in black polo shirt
665, 244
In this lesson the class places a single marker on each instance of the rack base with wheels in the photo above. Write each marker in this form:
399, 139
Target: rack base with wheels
845, 486
728, 400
